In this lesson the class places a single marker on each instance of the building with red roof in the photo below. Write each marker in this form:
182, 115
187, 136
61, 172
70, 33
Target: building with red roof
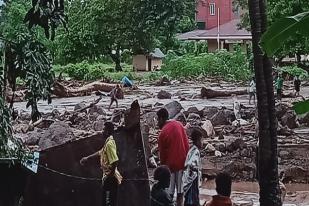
217, 23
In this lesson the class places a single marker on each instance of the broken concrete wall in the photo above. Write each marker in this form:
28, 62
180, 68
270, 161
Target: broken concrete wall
49, 187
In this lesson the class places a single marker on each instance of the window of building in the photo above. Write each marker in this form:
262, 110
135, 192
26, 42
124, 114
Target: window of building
212, 9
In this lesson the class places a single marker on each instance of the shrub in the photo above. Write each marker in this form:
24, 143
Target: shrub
94, 71
227, 65
294, 71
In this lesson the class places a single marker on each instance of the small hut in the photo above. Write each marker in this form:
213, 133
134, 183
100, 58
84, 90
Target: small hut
148, 62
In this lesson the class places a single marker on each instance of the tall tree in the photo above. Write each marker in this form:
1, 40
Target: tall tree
267, 154
297, 44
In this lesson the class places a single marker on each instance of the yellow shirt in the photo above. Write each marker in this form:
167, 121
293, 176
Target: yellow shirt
108, 155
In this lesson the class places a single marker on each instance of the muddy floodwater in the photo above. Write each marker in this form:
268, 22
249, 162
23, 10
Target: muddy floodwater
246, 193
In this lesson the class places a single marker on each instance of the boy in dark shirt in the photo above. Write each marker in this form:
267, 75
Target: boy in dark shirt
114, 96
159, 193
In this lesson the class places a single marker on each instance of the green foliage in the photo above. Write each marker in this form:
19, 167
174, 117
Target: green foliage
301, 107
294, 71
277, 9
223, 64
283, 30
94, 71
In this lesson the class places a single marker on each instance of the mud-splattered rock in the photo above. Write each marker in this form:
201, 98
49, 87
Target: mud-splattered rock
96, 109
98, 125
208, 112
57, 134
194, 119
240, 170
173, 108
164, 95
181, 118
222, 117
79, 106
235, 145
208, 127
289, 120
193, 110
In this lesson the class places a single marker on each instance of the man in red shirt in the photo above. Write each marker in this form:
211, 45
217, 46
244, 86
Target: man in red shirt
173, 148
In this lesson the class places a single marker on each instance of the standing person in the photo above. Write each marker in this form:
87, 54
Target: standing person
297, 84
192, 173
114, 97
109, 161
279, 85
159, 195
173, 148
236, 107
252, 90
223, 188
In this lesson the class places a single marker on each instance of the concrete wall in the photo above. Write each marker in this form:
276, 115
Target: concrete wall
156, 64
140, 63
212, 45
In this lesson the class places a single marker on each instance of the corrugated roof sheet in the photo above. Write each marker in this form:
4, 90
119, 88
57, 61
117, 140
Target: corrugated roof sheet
227, 31
157, 53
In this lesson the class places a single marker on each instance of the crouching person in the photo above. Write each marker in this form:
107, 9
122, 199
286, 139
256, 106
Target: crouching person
223, 188
159, 193
109, 161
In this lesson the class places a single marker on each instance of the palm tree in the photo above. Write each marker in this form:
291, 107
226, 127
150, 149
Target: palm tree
267, 155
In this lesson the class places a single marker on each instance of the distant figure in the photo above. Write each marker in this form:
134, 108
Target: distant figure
297, 84
173, 146
252, 90
192, 173
159, 194
223, 188
114, 96
236, 107
109, 161
126, 82
279, 86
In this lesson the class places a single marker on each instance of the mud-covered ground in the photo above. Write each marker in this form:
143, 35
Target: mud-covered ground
227, 146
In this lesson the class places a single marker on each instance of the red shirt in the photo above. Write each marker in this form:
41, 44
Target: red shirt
219, 200
173, 145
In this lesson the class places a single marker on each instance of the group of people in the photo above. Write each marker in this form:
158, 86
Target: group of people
278, 86
180, 168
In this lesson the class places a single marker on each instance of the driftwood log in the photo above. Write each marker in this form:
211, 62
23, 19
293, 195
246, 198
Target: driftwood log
209, 93
62, 91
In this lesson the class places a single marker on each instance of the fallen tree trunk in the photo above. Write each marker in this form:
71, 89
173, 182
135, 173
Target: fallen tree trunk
62, 91
209, 93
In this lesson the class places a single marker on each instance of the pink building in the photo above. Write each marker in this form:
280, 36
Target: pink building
217, 22
208, 11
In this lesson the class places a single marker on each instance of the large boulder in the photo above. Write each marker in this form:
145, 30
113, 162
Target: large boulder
289, 119
96, 109
149, 119
164, 81
79, 106
164, 95
208, 112
281, 109
57, 134
194, 119
241, 170
222, 117
193, 110
208, 127
98, 125
173, 108
181, 118
235, 144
